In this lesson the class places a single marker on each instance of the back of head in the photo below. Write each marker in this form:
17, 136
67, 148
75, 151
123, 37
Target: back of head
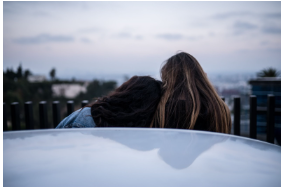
133, 104
189, 98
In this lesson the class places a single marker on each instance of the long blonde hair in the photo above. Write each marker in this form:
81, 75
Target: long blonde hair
186, 84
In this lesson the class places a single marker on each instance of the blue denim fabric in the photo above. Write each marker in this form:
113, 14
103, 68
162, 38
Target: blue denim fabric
81, 118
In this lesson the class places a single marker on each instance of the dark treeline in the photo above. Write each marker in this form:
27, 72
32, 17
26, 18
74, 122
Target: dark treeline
17, 88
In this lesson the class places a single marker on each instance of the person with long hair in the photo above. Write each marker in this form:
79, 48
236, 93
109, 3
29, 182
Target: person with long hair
133, 104
189, 100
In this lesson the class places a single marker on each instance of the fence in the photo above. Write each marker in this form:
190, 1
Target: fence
43, 114
270, 110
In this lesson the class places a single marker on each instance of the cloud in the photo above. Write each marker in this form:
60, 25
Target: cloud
43, 38
170, 36
41, 14
89, 30
228, 15
126, 35
12, 7
264, 43
271, 30
241, 26
231, 14
86, 40
123, 35
194, 38
272, 15
274, 50
139, 37
244, 25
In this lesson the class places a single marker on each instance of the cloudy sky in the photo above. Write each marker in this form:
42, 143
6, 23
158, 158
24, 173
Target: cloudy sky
89, 40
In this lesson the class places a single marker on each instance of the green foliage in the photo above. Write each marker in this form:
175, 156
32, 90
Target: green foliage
19, 72
53, 74
269, 72
27, 73
16, 88
97, 89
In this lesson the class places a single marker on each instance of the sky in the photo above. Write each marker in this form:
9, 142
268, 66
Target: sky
108, 40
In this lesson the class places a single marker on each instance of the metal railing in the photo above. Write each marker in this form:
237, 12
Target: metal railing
43, 114
270, 111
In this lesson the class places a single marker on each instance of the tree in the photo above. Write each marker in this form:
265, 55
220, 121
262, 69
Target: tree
19, 72
10, 74
53, 74
269, 72
27, 73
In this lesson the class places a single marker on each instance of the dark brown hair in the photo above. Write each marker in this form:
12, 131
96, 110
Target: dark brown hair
189, 100
133, 104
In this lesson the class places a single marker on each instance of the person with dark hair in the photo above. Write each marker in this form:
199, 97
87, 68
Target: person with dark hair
133, 104
189, 100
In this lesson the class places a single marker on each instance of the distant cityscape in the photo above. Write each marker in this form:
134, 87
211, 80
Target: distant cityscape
226, 85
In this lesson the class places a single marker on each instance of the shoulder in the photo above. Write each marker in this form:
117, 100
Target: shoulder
78, 119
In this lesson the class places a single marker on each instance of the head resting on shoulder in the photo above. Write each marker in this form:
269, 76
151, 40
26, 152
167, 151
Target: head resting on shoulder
184, 81
133, 104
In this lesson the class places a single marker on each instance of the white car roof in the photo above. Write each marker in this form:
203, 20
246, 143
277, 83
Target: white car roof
137, 157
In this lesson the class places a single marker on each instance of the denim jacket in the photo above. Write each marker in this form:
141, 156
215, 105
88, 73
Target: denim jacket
81, 118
